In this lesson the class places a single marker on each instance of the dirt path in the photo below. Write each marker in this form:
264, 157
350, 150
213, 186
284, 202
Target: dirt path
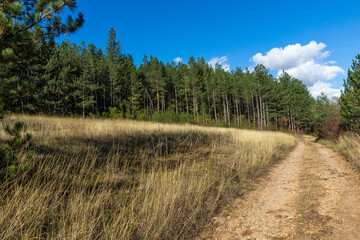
313, 194
339, 196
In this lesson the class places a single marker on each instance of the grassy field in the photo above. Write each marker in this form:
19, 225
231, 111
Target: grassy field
104, 179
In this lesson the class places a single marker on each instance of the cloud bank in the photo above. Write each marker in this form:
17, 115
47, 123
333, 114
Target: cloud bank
305, 63
223, 61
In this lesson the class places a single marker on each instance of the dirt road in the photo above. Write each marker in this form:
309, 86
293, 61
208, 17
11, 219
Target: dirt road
313, 194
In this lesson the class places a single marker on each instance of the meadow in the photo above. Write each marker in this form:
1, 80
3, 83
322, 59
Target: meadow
122, 179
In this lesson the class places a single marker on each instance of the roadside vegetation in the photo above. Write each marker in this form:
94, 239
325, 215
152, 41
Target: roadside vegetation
349, 146
125, 179
338, 120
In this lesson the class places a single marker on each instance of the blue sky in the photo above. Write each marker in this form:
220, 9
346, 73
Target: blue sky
316, 40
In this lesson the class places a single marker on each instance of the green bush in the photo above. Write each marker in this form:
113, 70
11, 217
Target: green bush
141, 115
172, 117
113, 113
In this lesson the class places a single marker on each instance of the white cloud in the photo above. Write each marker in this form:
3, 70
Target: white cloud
223, 61
311, 72
178, 60
305, 63
291, 56
320, 86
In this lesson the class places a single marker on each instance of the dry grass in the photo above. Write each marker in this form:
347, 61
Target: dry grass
349, 146
103, 179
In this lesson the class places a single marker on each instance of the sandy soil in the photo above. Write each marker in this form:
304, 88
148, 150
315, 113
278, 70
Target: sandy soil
313, 194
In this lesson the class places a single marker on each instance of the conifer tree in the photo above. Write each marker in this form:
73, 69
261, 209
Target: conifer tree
350, 97
193, 77
84, 85
63, 69
113, 51
27, 21
155, 75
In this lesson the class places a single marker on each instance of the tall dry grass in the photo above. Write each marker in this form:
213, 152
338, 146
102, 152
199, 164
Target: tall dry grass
349, 145
103, 179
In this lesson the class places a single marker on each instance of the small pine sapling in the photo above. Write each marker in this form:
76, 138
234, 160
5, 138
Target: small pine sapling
19, 143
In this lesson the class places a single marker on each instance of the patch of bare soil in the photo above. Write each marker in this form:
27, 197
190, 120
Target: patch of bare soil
313, 194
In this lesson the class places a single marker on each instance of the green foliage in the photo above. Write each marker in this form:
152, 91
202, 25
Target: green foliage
25, 23
350, 98
325, 117
172, 117
141, 115
114, 113
11, 150
27, 31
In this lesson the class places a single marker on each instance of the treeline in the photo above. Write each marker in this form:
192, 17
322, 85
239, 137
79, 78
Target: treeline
70, 79
334, 117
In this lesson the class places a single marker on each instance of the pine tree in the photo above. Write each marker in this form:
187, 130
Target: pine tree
63, 70
193, 77
84, 85
27, 31
113, 51
155, 75
25, 22
350, 97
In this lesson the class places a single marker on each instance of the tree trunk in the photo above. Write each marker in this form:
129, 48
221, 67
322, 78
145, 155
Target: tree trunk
83, 104
176, 102
157, 94
104, 96
209, 102
227, 109
257, 111
224, 106
187, 102
239, 114
163, 106
261, 112
194, 102
150, 101
214, 103
96, 98
248, 110
237, 111
253, 110
267, 116
111, 93
132, 100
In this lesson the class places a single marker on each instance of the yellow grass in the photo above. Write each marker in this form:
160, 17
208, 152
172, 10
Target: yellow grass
349, 145
104, 179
